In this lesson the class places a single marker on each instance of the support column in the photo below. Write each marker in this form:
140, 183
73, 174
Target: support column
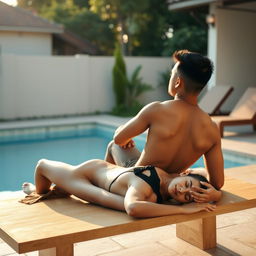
201, 232
63, 250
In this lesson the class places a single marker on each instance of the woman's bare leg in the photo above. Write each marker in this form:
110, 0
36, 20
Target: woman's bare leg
46, 173
51, 172
72, 179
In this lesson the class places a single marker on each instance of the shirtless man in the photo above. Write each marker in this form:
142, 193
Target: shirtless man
179, 132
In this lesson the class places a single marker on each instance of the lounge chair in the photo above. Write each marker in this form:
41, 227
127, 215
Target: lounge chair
214, 98
244, 112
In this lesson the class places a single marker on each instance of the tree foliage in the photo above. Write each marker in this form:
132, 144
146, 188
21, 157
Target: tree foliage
144, 23
189, 32
37, 5
141, 27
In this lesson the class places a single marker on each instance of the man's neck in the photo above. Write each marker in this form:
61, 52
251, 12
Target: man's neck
188, 98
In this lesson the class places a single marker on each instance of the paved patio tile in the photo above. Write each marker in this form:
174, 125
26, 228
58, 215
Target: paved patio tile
235, 218
152, 249
5, 249
238, 239
244, 233
182, 248
96, 247
145, 236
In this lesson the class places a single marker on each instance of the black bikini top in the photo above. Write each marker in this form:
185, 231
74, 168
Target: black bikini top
153, 179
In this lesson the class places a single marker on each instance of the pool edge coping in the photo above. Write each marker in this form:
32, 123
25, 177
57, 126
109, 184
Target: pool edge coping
109, 120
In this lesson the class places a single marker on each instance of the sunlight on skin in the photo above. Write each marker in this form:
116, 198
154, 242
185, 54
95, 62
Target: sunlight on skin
10, 2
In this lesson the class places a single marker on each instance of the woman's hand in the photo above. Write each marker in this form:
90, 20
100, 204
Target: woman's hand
201, 195
197, 207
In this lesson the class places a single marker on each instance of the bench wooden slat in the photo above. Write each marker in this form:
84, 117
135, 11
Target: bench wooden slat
58, 221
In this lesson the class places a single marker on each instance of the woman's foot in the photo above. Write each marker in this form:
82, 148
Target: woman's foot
28, 188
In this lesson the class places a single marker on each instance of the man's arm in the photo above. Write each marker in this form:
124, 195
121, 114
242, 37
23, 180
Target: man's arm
136, 125
214, 164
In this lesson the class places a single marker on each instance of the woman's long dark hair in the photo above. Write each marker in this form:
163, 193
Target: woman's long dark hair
199, 178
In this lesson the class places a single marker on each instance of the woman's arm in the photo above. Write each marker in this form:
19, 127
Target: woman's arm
136, 206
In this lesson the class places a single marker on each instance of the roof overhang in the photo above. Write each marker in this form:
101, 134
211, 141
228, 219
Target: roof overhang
189, 4
177, 5
56, 30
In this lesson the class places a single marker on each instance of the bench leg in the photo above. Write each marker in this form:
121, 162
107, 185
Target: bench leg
201, 232
63, 250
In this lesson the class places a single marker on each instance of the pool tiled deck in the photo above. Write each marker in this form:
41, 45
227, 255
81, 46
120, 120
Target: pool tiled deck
236, 233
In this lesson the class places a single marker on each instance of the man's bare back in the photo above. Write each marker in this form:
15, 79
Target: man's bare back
179, 132
178, 135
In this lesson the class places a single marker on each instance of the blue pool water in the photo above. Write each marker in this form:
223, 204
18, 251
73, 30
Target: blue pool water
21, 149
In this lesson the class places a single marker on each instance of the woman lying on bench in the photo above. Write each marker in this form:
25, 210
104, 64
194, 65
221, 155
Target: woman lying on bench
136, 190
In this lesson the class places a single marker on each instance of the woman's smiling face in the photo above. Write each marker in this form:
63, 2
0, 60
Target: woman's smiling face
180, 187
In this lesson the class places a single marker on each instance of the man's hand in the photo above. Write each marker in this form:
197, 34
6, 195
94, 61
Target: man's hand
201, 195
129, 144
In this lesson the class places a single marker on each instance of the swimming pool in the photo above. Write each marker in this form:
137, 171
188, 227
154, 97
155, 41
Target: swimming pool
20, 149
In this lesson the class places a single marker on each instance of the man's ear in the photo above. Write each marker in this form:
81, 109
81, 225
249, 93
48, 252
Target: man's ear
177, 83
185, 173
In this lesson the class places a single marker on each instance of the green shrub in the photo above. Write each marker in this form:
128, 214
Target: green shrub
119, 77
127, 90
135, 87
122, 110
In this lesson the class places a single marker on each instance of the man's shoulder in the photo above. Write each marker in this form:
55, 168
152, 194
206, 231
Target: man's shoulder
162, 104
154, 110
212, 128
155, 106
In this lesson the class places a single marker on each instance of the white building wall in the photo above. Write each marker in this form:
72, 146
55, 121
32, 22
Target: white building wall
235, 46
25, 43
36, 86
212, 46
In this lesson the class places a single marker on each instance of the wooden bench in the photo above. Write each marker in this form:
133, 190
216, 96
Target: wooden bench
52, 227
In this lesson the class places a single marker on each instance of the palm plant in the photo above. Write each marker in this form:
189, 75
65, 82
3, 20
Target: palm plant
135, 87
127, 90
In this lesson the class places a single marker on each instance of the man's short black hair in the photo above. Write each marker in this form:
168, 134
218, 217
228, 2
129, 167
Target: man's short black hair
199, 178
193, 67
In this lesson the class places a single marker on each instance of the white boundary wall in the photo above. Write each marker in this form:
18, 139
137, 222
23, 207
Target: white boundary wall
36, 86
231, 45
